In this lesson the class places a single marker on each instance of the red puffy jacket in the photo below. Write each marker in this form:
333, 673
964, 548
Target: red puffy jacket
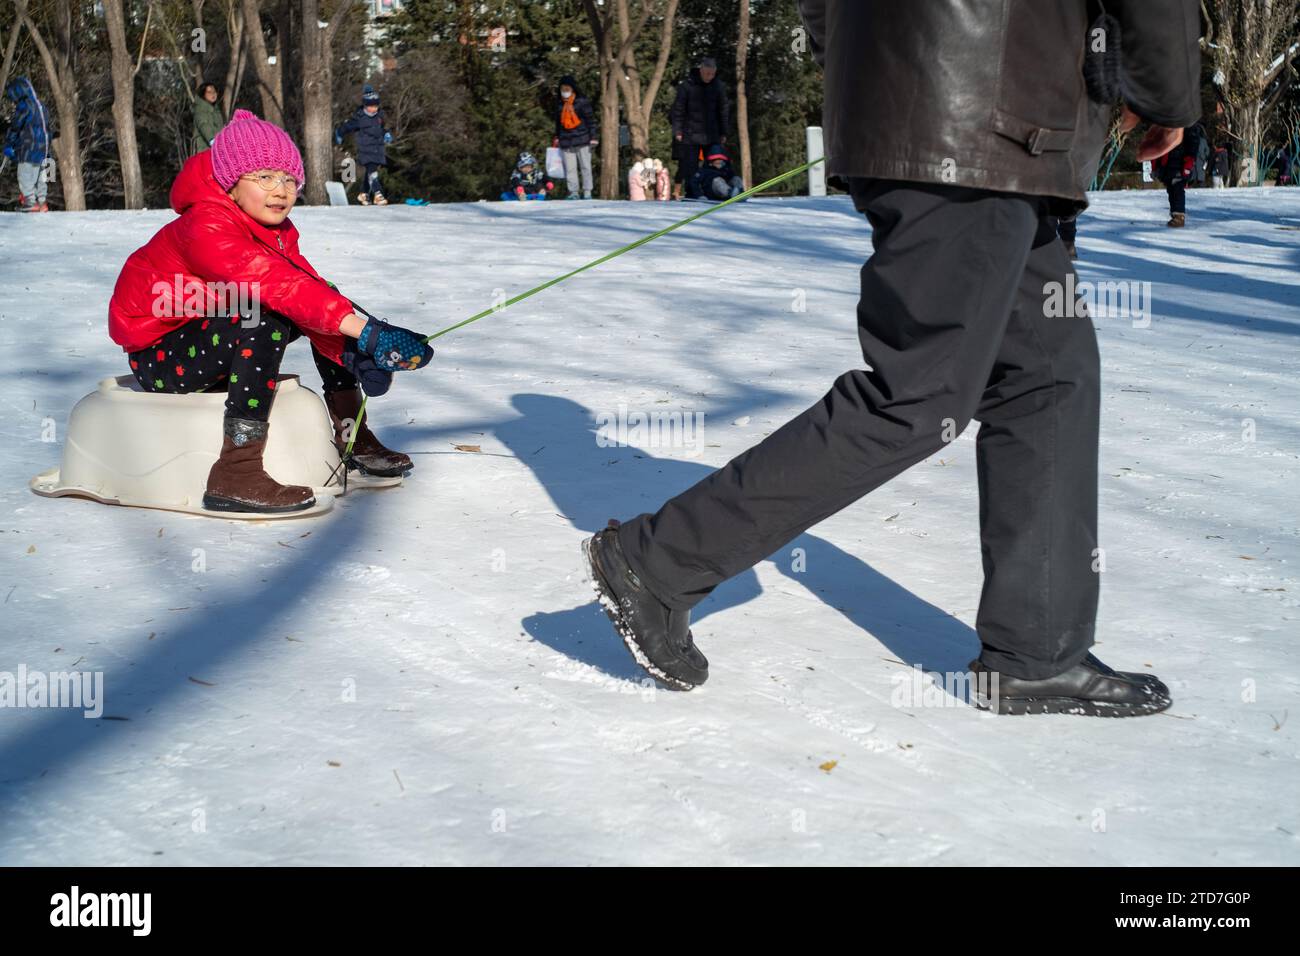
204, 255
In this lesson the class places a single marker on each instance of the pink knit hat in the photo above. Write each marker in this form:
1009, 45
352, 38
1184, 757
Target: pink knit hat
247, 144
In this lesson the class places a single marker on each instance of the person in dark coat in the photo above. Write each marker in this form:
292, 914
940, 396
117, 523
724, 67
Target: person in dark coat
208, 120
27, 144
576, 135
962, 316
1176, 169
370, 138
700, 116
715, 179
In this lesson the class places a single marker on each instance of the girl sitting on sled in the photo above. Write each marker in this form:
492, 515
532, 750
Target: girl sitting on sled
234, 233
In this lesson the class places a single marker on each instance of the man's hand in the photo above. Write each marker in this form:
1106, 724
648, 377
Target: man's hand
1158, 139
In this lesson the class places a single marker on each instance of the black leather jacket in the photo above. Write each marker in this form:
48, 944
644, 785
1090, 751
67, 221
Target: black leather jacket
701, 113
990, 93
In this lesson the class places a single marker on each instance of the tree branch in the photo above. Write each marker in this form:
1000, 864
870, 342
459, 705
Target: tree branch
665, 47
143, 36
51, 73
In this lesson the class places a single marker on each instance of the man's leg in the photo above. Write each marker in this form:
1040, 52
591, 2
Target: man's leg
572, 185
689, 164
936, 298
1036, 456
584, 165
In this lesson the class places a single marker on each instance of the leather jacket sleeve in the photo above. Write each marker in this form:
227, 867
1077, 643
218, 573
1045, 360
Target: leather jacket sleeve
1161, 59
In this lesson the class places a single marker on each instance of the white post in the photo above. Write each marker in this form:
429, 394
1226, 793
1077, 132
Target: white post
816, 175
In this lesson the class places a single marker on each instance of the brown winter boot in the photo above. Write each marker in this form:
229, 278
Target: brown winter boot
371, 457
238, 482
1177, 220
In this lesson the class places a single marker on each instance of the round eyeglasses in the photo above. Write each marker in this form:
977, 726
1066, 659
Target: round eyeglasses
269, 181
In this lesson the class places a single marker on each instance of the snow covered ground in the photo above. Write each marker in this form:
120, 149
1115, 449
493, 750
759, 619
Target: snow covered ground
422, 676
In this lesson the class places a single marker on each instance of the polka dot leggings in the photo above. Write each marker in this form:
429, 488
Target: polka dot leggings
219, 354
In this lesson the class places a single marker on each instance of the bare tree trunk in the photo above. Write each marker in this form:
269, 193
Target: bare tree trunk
128, 152
742, 97
640, 102
1252, 44
197, 72
289, 63
61, 76
9, 53
235, 67
269, 83
317, 93
602, 24
1249, 133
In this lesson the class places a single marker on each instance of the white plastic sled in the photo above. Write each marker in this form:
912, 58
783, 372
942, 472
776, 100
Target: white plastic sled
125, 446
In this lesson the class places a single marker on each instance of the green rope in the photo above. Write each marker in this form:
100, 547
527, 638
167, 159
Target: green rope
361, 413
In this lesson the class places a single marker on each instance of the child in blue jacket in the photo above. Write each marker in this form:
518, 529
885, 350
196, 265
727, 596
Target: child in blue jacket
528, 181
27, 144
367, 128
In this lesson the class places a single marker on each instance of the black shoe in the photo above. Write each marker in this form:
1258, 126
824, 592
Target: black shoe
1089, 688
658, 637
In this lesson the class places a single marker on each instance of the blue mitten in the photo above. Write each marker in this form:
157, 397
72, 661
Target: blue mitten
388, 137
392, 347
374, 380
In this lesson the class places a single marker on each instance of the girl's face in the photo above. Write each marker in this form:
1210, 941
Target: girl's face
210, 94
265, 195
371, 109
566, 91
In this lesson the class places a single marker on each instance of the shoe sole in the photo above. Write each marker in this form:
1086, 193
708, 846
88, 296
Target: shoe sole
1026, 706
217, 503
354, 465
605, 595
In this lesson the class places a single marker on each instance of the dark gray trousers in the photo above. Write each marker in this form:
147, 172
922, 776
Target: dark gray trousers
953, 327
